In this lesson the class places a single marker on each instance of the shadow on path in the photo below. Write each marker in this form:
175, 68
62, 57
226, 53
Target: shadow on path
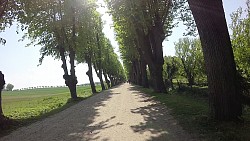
72, 124
121, 113
157, 120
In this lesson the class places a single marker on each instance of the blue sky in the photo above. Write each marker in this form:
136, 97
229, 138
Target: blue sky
19, 63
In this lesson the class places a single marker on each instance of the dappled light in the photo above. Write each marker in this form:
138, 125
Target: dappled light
97, 119
135, 70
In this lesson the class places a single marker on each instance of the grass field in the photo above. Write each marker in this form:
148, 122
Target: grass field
191, 109
28, 105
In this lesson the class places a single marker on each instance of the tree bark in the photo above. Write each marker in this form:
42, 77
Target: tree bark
70, 80
153, 55
144, 75
99, 62
90, 75
143, 66
133, 74
138, 72
224, 94
99, 75
1, 109
171, 83
111, 80
106, 78
156, 37
2, 83
101, 80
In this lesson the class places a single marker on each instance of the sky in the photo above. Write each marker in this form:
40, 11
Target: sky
19, 63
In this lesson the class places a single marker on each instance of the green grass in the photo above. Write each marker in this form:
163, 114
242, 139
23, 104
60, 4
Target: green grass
191, 109
27, 106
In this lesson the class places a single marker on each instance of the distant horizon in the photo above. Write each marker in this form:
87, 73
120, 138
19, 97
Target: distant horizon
55, 86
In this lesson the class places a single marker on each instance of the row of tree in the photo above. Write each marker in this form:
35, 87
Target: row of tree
141, 27
69, 31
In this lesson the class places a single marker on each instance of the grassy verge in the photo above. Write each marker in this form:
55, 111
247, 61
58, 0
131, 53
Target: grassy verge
190, 108
27, 106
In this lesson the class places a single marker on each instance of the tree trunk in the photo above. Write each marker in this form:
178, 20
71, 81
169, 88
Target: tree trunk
72, 54
189, 74
101, 80
99, 75
72, 87
224, 94
144, 75
111, 80
2, 83
138, 72
153, 55
156, 37
72, 77
106, 79
156, 45
133, 75
99, 62
1, 109
90, 75
171, 83
70, 80
143, 66
156, 77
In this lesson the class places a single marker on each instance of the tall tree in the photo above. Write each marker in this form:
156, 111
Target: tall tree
190, 53
98, 55
151, 22
54, 25
9, 87
133, 62
87, 43
98, 60
224, 94
108, 50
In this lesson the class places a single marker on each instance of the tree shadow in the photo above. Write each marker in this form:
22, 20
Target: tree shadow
78, 125
157, 119
10, 124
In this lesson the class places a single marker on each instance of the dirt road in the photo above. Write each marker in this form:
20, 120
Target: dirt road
118, 114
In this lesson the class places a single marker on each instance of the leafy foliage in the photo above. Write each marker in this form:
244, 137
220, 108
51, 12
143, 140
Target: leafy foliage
9, 87
190, 53
241, 40
9, 11
171, 70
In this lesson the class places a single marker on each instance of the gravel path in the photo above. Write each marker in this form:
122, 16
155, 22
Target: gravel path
118, 114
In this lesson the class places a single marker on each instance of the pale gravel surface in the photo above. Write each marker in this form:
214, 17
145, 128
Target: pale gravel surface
118, 114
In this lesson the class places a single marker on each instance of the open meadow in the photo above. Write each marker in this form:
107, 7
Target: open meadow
27, 105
